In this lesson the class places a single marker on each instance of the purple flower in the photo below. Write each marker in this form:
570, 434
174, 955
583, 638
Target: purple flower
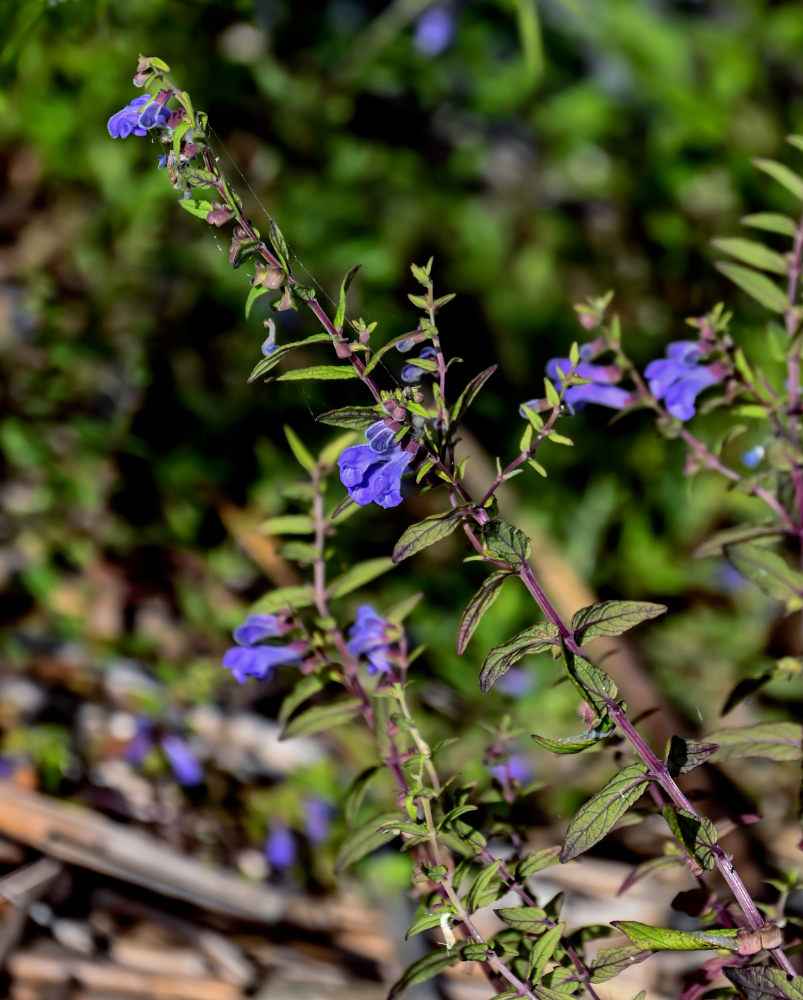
411, 372
372, 472
601, 388
280, 847
317, 819
678, 379
752, 458
249, 660
133, 119
516, 768
433, 32
372, 637
256, 627
186, 768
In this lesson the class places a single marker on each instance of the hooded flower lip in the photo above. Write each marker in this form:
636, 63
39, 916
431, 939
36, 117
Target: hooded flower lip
142, 113
600, 389
370, 636
257, 627
678, 379
247, 659
372, 472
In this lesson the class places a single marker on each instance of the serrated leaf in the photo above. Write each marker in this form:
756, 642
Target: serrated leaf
535, 862
753, 253
427, 532
739, 533
321, 717
763, 982
288, 524
683, 756
501, 658
483, 889
196, 207
427, 922
602, 810
528, 919
265, 365
340, 315
779, 741
505, 542
358, 576
612, 618
566, 746
355, 793
696, 834
305, 688
425, 968
771, 222
365, 839
285, 598
665, 939
299, 449
255, 292
477, 606
469, 394
769, 571
356, 418
542, 951
609, 962
756, 285
328, 373
781, 173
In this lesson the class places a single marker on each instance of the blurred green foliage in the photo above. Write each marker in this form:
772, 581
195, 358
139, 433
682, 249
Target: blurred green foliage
551, 151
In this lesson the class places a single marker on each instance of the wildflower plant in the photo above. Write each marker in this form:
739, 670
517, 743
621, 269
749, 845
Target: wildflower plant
353, 664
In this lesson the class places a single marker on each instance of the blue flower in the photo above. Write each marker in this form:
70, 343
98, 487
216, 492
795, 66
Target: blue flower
256, 627
411, 372
249, 660
280, 847
185, 765
433, 32
372, 637
141, 114
372, 472
317, 819
601, 388
678, 378
752, 458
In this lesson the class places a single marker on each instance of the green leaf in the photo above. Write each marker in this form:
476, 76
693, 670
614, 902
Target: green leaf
568, 746
265, 365
279, 244
771, 222
602, 810
542, 950
612, 618
428, 921
683, 756
469, 394
664, 939
358, 576
355, 793
377, 356
425, 533
285, 599
340, 315
321, 717
425, 968
535, 862
356, 418
505, 542
769, 572
788, 178
779, 741
529, 919
328, 373
592, 683
753, 253
288, 524
764, 982
745, 688
303, 457
303, 553
501, 658
483, 889
364, 840
739, 533
305, 688
196, 207
697, 834
255, 293
756, 285
609, 962
477, 606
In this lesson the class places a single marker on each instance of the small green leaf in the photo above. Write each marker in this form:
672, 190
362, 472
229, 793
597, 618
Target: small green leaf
505, 542
696, 834
276, 356
609, 962
764, 982
501, 658
683, 756
567, 746
340, 315
428, 921
365, 839
279, 245
612, 618
788, 178
358, 576
304, 689
771, 222
303, 457
469, 394
664, 939
285, 599
196, 207
756, 285
541, 952
477, 606
769, 572
355, 793
427, 532
255, 292
753, 253
288, 524
321, 717
535, 862
592, 683
483, 889
425, 968
603, 810
529, 919
739, 533
356, 418
442, 301
328, 373
779, 741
